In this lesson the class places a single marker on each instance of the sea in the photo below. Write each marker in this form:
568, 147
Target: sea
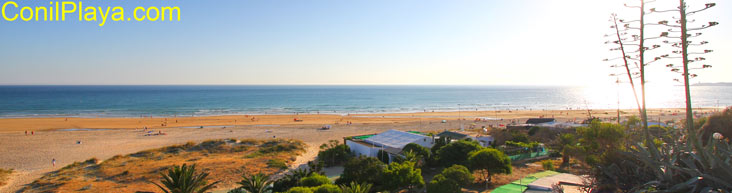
205, 100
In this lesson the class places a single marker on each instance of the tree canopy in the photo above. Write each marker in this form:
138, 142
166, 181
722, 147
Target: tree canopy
457, 152
488, 162
417, 149
402, 175
362, 169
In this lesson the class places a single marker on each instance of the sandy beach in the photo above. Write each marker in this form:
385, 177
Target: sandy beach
56, 138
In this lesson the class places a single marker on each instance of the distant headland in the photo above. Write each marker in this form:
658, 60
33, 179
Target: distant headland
713, 84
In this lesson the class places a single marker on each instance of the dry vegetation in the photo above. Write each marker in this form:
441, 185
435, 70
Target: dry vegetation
5, 175
225, 160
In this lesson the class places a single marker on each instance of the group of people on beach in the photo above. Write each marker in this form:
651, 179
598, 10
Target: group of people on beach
32, 132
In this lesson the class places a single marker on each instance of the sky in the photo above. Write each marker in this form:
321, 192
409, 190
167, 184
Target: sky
426, 42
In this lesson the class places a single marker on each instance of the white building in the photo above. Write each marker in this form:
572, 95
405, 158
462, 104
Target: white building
483, 140
391, 141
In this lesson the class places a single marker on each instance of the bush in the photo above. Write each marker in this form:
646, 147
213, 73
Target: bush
418, 149
291, 179
362, 169
300, 190
555, 154
277, 163
237, 190
547, 164
519, 137
383, 156
402, 175
533, 130
441, 184
276, 146
314, 180
356, 188
457, 152
327, 188
459, 174
717, 123
450, 180
334, 153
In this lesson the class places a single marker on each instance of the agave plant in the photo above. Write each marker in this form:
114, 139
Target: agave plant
683, 169
183, 179
354, 187
257, 183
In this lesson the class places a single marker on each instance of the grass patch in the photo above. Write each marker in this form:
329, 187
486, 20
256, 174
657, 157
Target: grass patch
277, 163
223, 159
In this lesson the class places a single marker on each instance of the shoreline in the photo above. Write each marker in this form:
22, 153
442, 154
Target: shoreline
498, 116
341, 113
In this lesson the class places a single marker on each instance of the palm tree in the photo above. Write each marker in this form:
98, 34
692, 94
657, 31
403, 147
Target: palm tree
258, 183
182, 179
356, 188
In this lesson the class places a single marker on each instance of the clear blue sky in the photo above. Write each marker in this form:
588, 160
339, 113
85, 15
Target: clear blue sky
524, 42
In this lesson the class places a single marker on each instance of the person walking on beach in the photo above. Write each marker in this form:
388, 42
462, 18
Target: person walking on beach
53, 162
26, 132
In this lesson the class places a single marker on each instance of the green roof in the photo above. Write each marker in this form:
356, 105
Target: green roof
525, 181
454, 135
510, 188
544, 174
417, 132
362, 137
520, 185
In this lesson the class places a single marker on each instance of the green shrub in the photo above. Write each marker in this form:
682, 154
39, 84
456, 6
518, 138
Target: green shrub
459, 174
547, 164
291, 179
314, 180
533, 130
334, 153
441, 184
519, 137
383, 156
274, 146
417, 149
402, 175
300, 190
354, 187
450, 180
362, 169
277, 163
327, 188
237, 190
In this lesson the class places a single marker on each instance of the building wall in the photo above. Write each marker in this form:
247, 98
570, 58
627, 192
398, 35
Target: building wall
485, 141
361, 149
